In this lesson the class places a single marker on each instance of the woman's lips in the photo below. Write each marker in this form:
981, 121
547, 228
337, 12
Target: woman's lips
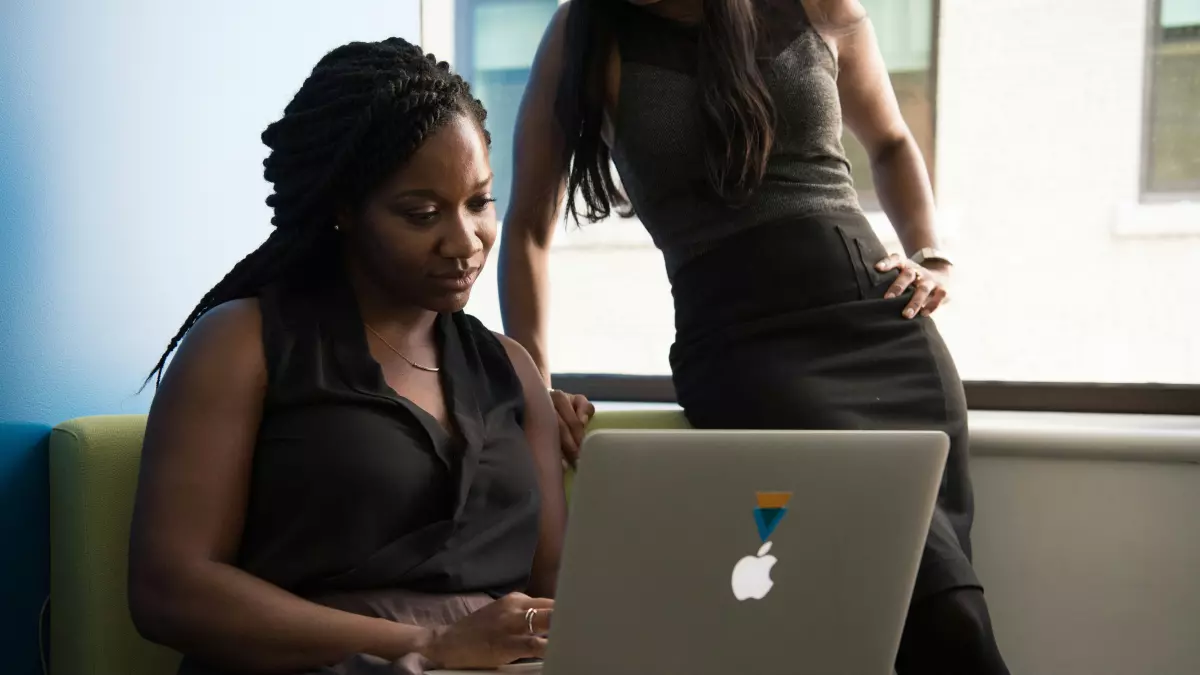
456, 281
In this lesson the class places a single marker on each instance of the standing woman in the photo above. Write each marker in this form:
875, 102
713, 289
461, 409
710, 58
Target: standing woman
724, 119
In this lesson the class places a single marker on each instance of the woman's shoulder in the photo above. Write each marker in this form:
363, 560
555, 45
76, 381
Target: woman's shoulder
223, 349
235, 324
833, 16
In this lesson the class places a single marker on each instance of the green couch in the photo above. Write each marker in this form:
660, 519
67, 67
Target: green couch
93, 474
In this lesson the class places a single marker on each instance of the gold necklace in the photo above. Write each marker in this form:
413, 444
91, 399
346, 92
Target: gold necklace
414, 364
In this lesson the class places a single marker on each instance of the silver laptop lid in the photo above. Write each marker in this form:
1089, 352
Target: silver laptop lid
748, 552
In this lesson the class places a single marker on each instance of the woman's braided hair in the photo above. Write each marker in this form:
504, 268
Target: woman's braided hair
361, 114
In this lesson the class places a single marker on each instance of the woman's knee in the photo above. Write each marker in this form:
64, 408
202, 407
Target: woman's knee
959, 616
950, 632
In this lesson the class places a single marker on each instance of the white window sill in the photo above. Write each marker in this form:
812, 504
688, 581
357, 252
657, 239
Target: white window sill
1173, 219
1173, 439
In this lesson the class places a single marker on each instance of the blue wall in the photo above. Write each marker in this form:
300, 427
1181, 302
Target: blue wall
130, 181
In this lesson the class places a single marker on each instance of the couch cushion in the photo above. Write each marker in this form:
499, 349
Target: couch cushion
631, 419
93, 476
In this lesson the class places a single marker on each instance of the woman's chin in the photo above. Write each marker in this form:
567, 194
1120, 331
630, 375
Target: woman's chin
450, 302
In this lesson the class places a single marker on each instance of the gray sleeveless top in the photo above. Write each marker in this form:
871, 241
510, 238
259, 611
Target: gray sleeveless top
658, 149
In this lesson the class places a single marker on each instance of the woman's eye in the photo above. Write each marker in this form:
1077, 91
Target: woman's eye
480, 205
423, 216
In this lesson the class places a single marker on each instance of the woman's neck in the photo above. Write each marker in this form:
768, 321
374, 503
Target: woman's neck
379, 309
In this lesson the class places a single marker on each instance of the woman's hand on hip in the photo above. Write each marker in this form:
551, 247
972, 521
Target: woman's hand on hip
929, 283
508, 629
574, 413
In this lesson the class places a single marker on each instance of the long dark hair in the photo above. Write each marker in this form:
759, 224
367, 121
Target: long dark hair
361, 114
738, 113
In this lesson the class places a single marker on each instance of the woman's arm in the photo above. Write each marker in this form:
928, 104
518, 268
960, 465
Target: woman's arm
872, 113
541, 428
539, 182
184, 591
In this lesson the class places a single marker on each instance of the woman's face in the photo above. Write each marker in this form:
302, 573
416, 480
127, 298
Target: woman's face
423, 237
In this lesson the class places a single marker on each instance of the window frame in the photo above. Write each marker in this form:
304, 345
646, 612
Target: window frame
1065, 397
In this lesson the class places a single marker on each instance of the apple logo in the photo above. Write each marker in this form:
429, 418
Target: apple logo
752, 575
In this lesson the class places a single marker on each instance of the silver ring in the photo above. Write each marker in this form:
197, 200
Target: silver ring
529, 614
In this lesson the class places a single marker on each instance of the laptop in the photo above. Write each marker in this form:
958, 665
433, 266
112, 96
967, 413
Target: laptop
750, 552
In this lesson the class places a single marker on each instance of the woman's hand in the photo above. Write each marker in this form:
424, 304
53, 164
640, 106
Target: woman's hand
574, 413
508, 629
928, 281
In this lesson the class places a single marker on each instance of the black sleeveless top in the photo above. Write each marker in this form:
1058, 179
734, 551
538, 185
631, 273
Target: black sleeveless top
659, 139
356, 488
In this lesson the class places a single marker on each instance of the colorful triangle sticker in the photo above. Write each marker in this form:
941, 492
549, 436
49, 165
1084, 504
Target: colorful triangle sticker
773, 500
767, 520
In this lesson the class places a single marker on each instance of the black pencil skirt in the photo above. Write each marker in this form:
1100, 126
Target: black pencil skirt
785, 326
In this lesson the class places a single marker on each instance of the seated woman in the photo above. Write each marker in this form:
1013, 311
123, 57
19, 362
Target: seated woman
342, 471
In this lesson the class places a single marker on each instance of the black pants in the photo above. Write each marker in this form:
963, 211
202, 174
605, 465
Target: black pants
950, 633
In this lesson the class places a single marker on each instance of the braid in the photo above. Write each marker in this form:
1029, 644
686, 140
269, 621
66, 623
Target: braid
361, 114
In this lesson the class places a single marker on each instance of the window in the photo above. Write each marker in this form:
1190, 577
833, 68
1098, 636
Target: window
1172, 137
496, 42
906, 30
1052, 119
